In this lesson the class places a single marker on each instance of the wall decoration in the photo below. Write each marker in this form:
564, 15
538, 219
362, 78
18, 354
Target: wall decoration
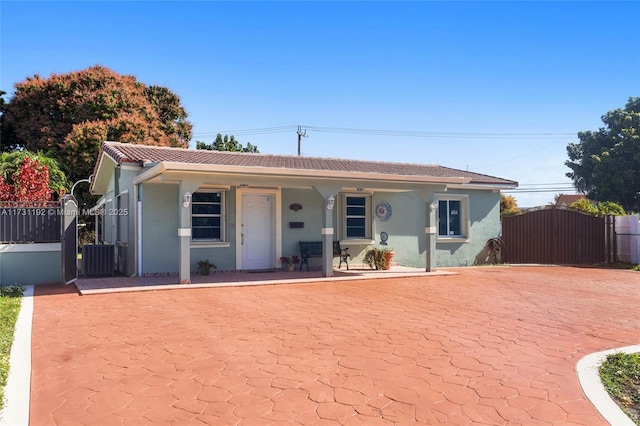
383, 238
383, 211
295, 207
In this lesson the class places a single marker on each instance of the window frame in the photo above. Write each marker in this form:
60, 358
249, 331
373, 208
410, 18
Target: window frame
222, 215
463, 199
368, 217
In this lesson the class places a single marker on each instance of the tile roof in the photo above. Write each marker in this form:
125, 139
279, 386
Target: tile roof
136, 153
568, 199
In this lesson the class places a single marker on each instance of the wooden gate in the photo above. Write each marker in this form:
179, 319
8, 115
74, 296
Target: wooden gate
554, 236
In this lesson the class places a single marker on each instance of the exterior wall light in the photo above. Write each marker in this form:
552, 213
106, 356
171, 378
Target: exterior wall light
186, 199
330, 202
433, 206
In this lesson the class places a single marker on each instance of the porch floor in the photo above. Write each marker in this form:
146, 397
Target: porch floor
116, 284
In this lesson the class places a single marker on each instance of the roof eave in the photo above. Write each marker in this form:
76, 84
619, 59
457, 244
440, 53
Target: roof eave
100, 179
285, 172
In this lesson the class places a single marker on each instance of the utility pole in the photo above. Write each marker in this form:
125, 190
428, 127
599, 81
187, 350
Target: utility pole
301, 135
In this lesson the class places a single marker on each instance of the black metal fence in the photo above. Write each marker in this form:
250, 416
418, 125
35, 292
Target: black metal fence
30, 223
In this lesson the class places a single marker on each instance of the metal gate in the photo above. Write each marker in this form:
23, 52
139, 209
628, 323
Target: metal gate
554, 236
69, 241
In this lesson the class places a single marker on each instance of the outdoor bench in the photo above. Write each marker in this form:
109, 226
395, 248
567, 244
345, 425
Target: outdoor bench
310, 249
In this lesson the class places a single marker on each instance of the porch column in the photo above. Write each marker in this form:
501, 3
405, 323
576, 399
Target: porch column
329, 197
327, 243
186, 188
430, 231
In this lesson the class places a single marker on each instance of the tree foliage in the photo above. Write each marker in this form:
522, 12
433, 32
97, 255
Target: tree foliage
508, 206
70, 115
601, 208
29, 177
605, 164
227, 143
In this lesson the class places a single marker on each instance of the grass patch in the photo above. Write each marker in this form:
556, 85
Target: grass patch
10, 299
620, 375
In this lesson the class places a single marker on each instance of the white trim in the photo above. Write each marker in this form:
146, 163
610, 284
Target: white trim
430, 230
224, 213
204, 244
587, 369
453, 240
277, 230
139, 243
341, 217
326, 231
28, 248
465, 221
149, 174
184, 232
130, 166
18, 389
357, 242
272, 171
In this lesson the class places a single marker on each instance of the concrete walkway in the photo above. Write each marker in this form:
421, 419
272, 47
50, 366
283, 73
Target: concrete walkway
489, 346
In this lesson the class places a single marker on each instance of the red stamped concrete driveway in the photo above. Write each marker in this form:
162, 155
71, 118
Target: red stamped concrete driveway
489, 346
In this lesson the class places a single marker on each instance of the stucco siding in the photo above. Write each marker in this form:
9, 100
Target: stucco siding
17, 264
484, 219
405, 227
310, 215
160, 245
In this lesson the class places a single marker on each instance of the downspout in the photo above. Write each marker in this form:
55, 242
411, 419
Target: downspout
138, 198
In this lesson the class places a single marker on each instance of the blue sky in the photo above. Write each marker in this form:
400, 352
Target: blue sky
499, 88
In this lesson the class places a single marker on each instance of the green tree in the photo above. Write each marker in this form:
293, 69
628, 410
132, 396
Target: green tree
3, 103
601, 208
605, 164
584, 206
508, 206
69, 115
227, 143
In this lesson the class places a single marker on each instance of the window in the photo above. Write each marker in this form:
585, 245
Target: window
452, 218
357, 219
207, 218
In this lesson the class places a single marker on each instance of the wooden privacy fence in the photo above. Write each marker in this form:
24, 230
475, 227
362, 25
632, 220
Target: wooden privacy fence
29, 224
554, 236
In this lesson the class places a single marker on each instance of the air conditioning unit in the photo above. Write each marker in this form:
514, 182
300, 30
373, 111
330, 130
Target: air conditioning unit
97, 259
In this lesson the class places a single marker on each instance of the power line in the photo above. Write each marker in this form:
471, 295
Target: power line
386, 132
527, 190
244, 132
424, 134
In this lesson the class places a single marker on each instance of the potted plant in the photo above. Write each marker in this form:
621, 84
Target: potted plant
285, 263
294, 261
204, 267
378, 258
388, 257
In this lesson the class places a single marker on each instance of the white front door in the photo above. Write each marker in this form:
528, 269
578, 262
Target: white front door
257, 231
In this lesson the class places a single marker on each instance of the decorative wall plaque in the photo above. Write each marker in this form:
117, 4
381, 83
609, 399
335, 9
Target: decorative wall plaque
383, 211
295, 207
